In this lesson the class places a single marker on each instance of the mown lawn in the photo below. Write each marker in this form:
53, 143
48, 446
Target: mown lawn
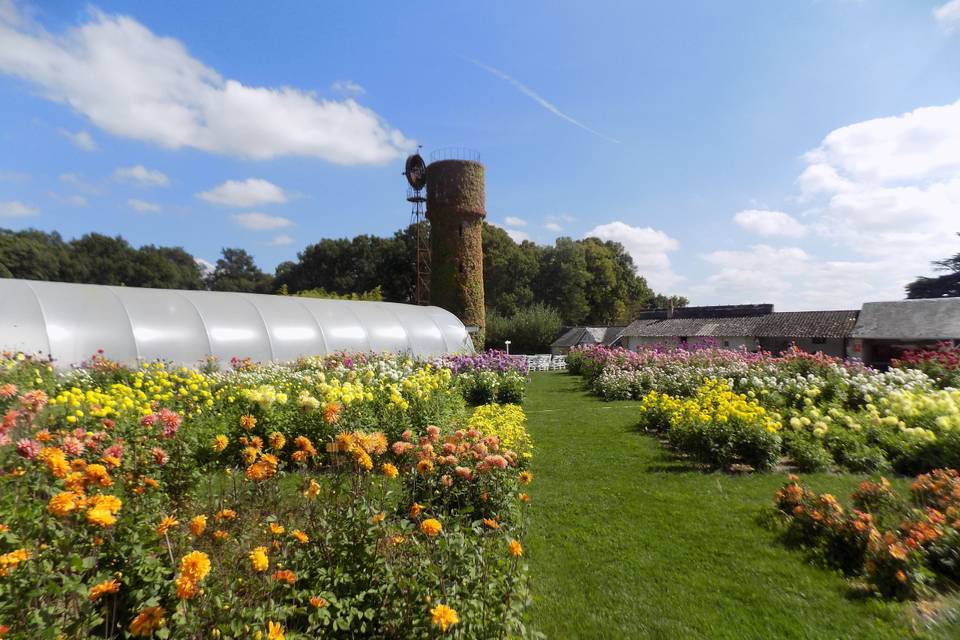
627, 542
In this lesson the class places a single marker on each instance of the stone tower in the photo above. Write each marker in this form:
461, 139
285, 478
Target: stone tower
455, 209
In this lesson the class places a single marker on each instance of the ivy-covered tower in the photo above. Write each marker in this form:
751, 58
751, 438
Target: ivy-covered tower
455, 209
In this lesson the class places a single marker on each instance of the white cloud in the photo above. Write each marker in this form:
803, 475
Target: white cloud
139, 174
16, 209
920, 145
514, 222
348, 87
553, 223
251, 192
533, 95
76, 181
948, 14
135, 84
74, 200
261, 221
80, 139
280, 240
144, 207
769, 223
647, 246
517, 235
789, 277
884, 194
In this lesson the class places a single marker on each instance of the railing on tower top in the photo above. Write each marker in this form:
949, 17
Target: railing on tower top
455, 153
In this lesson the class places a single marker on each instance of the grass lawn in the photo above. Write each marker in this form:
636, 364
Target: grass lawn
627, 542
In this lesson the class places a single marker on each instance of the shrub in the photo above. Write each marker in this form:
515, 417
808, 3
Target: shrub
896, 546
807, 453
717, 426
530, 330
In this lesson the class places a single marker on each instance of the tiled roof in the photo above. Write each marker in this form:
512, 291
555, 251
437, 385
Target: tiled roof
807, 324
927, 319
587, 335
570, 338
704, 327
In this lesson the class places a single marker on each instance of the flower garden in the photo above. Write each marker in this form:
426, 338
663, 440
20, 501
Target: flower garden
346, 496
741, 411
725, 408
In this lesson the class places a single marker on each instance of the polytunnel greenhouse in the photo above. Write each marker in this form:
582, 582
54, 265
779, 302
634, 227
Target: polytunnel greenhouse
70, 322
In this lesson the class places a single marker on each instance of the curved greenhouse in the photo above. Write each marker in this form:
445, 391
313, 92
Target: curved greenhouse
72, 321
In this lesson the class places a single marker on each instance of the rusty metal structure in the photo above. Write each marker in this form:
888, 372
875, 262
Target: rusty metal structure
416, 174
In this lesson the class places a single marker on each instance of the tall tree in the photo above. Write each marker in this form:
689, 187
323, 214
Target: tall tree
100, 259
34, 255
563, 280
236, 271
509, 271
166, 268
945, 286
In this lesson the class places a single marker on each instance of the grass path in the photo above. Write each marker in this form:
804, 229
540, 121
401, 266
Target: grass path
626, 542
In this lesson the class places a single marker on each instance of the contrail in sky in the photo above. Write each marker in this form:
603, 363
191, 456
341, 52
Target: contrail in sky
533, 95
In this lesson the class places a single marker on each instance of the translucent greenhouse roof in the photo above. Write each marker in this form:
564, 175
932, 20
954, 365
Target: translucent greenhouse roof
70, 322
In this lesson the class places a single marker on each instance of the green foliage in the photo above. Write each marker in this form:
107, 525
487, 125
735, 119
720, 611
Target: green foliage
375, 294
344, 266
95, 259
486, 387
236, 271
897, 547
945, 286
530, 330
806, 452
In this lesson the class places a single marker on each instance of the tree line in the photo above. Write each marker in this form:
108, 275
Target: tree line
586, 281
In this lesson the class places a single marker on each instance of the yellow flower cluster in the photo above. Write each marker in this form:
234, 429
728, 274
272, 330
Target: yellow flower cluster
186, 390
714, 402
265, 396
508, 423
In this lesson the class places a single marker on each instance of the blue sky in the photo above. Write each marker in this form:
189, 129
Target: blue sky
805, 153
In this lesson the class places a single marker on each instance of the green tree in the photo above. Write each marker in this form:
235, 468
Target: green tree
945, 286
34, 255
236, 271
509, 271
166, 268
563, 280
100, 259
529, 330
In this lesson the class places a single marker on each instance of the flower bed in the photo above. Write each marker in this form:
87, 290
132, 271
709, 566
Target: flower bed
832, 414
339, 497
900, 548
490, 376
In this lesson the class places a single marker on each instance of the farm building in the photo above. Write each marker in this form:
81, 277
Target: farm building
826, 331
885, 329
583, 336
731, 326
750, 327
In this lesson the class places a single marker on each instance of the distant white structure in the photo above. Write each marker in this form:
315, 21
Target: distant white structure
70, 322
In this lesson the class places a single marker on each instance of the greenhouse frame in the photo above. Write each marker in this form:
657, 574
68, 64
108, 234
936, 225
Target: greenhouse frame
70, 322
